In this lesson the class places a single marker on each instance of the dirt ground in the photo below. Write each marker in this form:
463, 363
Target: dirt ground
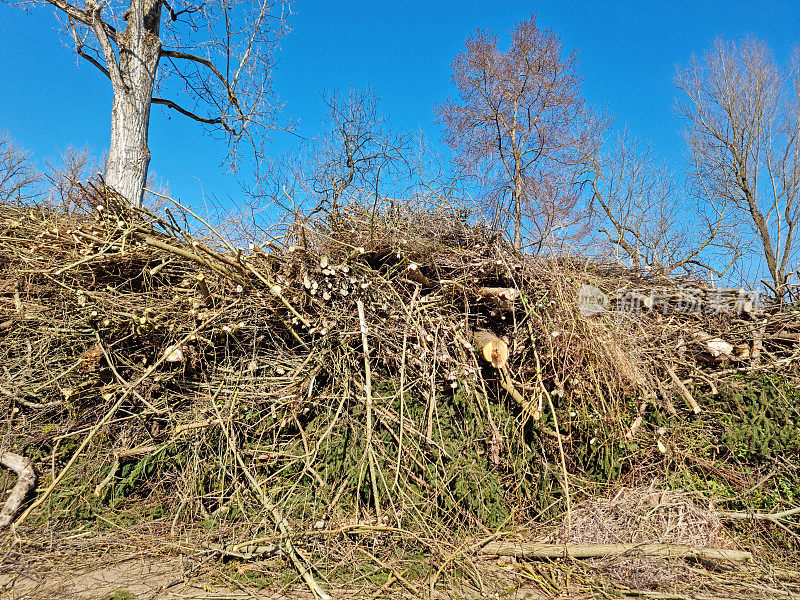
138, 578
146, 577
138, 565
173, 578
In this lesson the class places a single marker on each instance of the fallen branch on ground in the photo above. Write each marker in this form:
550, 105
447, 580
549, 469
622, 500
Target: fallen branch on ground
752, 516
542, 550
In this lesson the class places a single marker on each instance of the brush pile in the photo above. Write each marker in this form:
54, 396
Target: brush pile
376, 375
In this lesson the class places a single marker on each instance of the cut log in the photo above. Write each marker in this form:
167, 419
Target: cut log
716, 347
541, 550
491, 348
633, 301
503, 297
27, 481
418, 276
741, 352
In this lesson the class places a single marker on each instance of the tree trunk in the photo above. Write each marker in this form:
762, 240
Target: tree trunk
518, 208
139, 52
129, 154
776, 272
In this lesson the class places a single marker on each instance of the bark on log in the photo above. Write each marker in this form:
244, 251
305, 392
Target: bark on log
491, 348
503, 297
27, 481
417, 275
541, 550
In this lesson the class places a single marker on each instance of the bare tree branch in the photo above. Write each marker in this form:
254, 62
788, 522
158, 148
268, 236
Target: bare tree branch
18, 174
190, 114
210, 66
79, 45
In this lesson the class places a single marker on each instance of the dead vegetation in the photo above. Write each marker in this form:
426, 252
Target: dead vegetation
316, 397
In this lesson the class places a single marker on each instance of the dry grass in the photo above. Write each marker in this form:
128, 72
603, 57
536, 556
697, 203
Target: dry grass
640, 516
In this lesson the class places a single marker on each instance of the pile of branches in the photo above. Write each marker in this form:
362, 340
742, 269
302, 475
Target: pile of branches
375, 374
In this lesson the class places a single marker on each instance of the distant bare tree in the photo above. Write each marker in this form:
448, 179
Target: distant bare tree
66, 173
743, 112
653, 221
215, 57
357, 157
357, 149
521, 124
18, 174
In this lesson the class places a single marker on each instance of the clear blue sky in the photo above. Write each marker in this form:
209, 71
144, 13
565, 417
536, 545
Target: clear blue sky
403, 48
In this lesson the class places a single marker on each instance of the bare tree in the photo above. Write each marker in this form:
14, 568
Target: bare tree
356, 151
212, 58
652, 220
18, 174
744, 134
521, 123
66, 174
357, 157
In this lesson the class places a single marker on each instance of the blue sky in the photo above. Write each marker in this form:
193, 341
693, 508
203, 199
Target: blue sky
403, 49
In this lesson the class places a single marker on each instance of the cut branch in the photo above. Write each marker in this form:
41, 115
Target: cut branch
541, 550
491, 348
23, 467
687, 395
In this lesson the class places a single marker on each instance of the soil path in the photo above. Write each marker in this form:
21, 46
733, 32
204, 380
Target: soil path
140, 578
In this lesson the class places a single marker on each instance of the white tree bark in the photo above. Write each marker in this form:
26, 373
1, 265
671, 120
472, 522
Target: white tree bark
129, 153
133, 79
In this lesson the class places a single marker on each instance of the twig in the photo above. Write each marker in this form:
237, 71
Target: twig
124, 383
687, 395
196, 425
409, 586
402, 407
299, 563
368, 392
92, 433
561, 453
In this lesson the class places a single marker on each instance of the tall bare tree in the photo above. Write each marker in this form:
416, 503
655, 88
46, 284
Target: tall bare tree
66, 174
653, 221
521, 123
213, 59
743, 112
